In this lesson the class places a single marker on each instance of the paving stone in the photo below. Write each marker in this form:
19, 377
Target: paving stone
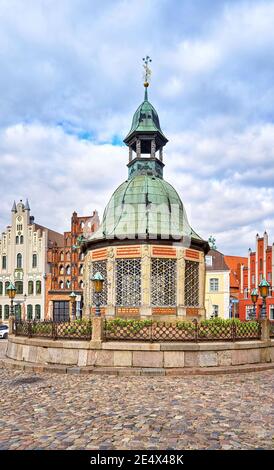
109, 412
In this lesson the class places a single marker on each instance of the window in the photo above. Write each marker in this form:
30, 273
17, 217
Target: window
6, 312
1, 288
128, 282
61, 270
249, 312
1, 312
38, 287
29, 312
67, 284
81, 270
17, 311
60, 311
30, 287
261, 277
81, 284
62, 256
68, 270
21, 240
101, 267
6, 287
19, 227
208, 260
246, 293
271, 312
34, 261
261, 264
214, 285
19, 287
17, 240
163, 282
253, 279
37, 312
19, 261
269, 277
68, 255
215, 311
191, 283
4, 262
61, 285
81, 256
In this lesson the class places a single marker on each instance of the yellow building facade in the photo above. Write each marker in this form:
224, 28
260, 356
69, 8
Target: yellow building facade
217, 286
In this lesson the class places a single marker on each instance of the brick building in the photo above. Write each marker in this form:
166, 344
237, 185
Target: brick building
260, 265
234, 263
67, 265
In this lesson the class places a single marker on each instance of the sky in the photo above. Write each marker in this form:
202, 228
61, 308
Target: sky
71, 79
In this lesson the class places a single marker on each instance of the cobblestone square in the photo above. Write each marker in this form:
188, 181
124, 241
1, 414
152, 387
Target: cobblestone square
54, 411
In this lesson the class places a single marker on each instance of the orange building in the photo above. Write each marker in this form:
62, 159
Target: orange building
234, 263
67, 265
260, 266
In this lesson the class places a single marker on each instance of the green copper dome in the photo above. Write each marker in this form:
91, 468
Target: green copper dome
144, 207
145, 120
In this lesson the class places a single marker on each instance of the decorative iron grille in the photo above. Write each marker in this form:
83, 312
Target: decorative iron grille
81, 330
128, 282
163, 282
191, 284
101, 267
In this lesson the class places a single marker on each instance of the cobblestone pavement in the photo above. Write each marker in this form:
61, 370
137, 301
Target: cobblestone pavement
52, 411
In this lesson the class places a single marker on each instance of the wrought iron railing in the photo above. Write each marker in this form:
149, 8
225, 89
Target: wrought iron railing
81, 330
146, 330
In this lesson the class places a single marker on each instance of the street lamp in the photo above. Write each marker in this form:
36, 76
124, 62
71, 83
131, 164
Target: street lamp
11, 290
254, 298
264, 289
72, 298
98, 281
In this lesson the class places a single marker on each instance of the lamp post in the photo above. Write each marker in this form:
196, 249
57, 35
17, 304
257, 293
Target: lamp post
264, 289
72, 299
98, 281
254, 298
11, 290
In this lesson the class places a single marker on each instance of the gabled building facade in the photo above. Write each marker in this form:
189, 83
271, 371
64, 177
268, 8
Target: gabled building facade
260, 266
217, 285
67, 268
23, 261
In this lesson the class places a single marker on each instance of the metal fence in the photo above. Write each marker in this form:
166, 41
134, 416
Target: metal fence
193, 331
54, 330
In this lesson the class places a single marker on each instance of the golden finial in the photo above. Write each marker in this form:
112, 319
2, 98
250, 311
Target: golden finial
147, 71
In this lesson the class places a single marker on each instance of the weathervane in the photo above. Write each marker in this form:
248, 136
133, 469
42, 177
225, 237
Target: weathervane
147, 72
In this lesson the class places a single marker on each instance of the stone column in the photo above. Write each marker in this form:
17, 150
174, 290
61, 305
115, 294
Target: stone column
265, 329
161, 154
202, 281
138, 148
130, 154
97, 332
145, 279
181, 311
110, 309
153, 148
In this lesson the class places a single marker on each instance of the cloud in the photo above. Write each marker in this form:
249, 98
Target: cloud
71, 79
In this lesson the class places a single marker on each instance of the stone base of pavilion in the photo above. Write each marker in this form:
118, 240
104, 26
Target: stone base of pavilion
138, 358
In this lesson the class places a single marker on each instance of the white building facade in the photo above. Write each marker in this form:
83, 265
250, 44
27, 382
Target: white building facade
23, 261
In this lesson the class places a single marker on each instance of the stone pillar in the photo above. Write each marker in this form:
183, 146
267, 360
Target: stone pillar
138, 148
130, 154
153, 148
265, 329
11, 324
110, 309
180, 282
202, 281
145, 279
161, 154
97, 332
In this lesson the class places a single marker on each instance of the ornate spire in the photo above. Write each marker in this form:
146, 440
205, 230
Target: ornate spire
27, 207
147, 74
14, 208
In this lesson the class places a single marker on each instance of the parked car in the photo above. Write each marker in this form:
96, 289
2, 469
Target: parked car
4, 331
